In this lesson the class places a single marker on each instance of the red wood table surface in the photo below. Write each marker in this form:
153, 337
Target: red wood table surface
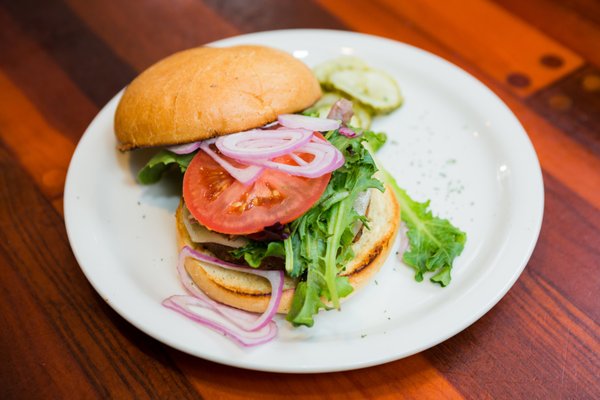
61, 61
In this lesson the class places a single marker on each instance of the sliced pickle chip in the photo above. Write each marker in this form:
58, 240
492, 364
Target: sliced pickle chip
373, 88
324, 70
362, 115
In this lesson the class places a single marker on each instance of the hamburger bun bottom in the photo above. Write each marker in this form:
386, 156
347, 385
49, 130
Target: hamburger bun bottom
252, 293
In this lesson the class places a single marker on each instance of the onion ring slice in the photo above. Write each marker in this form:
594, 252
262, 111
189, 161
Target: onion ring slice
186, 148
326, 158
262, 144
243, 319
310, 123
183, 305
245, 175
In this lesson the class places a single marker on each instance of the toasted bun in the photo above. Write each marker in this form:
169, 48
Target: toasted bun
252, 293
205, 92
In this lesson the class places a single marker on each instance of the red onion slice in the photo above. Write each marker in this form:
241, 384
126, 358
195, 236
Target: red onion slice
242, 319
185, 148
216, 322
347, 132
245, 175
269, 125
298, 159
262, 144
404, 243
326, 159
341, 110
310, 123
258, 148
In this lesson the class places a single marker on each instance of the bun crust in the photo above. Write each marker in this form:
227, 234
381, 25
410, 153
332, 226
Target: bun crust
205, 92
252, 293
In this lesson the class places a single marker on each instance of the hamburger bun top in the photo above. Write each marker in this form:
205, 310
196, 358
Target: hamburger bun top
205, 92
252, 293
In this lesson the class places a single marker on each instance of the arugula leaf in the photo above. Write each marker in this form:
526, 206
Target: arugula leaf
311, 112
434, 243
305, 303
376, 140
160, 163
320, 242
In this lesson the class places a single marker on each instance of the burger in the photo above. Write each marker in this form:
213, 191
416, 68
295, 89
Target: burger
266, 192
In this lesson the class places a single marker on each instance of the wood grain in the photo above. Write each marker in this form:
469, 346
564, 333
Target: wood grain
404, 379
89, 62
564, 23
573, 104
60, 338
570, 263
133, 34
47, 156
43, 81
585, 8
60, 62
502, 45
262, 15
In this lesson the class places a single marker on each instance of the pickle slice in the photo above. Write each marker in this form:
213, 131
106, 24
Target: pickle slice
373, 88
362, 115
324, 70
327, 99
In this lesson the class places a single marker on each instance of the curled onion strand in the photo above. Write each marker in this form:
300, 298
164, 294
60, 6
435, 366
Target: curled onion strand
259, 144
185, 148
245, 323
183, 305
326, 159
244, 175
310, 123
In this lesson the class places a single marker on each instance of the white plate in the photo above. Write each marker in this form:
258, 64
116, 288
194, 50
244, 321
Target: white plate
453, 141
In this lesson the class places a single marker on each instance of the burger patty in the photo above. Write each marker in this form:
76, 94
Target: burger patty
222, 252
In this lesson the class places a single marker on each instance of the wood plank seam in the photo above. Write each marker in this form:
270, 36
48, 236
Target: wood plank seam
507, 48
62, 283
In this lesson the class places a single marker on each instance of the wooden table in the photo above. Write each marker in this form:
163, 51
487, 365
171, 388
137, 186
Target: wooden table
61, 61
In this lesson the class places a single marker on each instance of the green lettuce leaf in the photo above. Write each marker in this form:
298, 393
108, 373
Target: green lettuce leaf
255, 252
160, 163
320, 244
375, 140
434, 242
305, 303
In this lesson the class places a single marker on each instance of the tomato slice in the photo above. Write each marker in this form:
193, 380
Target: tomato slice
223, 204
